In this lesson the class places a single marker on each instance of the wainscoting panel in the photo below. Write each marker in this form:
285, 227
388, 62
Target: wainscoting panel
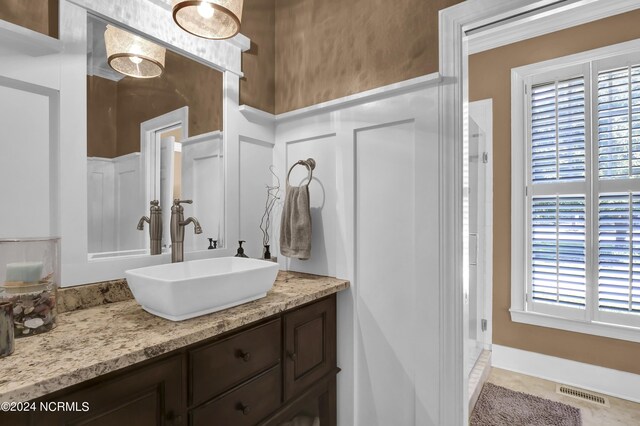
28, 115
115, 203
100, 198
374, 201
323, 195
385, 219
203, 182
129, 202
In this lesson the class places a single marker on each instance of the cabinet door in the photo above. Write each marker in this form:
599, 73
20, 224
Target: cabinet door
315, 407
151, 395
310, 345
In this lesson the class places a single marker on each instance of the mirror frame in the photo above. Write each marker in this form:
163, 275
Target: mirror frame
153, 21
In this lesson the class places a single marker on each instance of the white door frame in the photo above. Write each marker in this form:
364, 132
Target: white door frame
149, 138
454, 49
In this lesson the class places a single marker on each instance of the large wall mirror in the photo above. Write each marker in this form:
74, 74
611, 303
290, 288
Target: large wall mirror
154, 132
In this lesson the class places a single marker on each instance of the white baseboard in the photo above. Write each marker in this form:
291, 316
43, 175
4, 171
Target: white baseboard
615, 383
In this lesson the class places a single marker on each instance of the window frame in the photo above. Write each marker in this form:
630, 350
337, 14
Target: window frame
524, 309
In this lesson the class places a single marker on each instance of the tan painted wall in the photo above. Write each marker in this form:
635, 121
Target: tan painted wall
308, 51
257, 87
37, 15
102, 101
327, 49
490, 78
184, 83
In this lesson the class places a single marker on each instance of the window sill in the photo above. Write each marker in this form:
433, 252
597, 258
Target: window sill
613, 331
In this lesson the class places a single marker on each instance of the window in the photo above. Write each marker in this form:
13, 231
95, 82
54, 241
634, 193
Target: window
576, 192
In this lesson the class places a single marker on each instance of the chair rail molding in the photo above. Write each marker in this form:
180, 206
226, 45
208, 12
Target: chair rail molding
376, 94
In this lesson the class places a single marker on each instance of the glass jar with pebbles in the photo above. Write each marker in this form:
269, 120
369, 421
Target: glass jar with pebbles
29, 279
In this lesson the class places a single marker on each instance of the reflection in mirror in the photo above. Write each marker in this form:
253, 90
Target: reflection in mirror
149, 137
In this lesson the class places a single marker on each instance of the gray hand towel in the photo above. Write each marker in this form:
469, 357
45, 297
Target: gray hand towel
295, 227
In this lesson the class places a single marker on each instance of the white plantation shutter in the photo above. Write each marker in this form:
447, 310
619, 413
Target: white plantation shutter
619, 123
619, 252
618, 128
557, 214
558, 271
576, 236
558, 131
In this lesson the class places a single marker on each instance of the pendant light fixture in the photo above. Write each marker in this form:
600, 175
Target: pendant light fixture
132, 55
212, 19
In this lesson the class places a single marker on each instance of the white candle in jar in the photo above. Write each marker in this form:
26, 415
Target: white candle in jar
24, 272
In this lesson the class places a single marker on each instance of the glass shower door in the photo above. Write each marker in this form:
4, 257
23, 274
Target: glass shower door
479, 232
475, 341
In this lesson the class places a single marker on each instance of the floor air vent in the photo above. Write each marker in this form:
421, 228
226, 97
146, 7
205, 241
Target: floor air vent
582, 395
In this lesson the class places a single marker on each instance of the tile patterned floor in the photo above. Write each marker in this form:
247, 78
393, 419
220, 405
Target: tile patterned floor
621, 412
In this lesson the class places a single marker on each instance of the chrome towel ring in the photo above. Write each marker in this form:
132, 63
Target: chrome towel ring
309, 163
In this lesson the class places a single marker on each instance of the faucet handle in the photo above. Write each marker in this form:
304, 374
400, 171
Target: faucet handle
177, 202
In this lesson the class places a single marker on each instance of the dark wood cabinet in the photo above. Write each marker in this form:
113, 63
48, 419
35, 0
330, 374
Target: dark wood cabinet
151, 395
221, 365
267, 373
244, 406
314, 406
310, 345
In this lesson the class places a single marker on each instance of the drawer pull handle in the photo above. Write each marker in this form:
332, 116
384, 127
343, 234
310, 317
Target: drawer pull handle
246, 356
245, 409
292, 356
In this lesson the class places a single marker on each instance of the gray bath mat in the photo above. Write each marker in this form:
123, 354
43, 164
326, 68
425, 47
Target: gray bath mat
498, 406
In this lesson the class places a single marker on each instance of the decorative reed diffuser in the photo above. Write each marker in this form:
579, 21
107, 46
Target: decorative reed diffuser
273, 195
29, 278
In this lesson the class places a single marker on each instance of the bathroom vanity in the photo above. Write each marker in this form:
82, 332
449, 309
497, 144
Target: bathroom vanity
265, 362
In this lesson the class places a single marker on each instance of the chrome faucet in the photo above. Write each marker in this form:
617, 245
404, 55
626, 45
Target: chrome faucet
177, 229
155, 227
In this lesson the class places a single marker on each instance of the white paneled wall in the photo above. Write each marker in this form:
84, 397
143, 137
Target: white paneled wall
203, 182
385, 223
129, 201
256, 156
374, 201
323, 197
28, 114
115, 202
101, 202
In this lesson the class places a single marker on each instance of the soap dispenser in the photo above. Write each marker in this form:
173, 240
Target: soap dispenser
240, 252
155, 226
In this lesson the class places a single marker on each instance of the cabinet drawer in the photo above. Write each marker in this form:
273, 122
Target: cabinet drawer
221, 365
310, 345
245, 406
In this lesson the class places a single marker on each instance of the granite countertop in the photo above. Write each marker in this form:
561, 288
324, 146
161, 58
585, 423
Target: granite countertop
91, 342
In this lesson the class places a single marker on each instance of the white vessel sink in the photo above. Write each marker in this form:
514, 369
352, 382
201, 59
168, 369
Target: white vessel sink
180, 291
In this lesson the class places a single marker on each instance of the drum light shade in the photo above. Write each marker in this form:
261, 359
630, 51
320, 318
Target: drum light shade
132, 55
212, 19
